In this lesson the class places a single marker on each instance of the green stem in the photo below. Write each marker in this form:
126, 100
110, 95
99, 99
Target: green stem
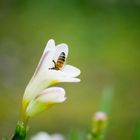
21, 127
20, 132
95, 136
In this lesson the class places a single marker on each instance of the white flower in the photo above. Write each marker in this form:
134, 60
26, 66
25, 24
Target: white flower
46, 136
45, 100
45, 73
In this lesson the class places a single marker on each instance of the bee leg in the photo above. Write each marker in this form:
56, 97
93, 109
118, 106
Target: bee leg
54, 62
54, 66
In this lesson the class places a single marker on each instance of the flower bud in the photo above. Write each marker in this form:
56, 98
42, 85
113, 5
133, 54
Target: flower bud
99, 123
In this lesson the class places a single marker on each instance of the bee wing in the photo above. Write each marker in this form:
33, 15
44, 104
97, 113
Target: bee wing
59, 49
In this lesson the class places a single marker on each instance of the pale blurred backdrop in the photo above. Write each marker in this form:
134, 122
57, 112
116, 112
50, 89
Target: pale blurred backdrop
104, 42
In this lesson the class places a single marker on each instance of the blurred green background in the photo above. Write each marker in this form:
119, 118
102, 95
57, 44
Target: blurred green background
104, 42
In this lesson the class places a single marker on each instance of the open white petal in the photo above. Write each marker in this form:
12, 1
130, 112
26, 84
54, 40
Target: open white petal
60, 76
46, 58
70, 80
48, 55
52, 95
71, 71
44, 63
50, 46
59, 49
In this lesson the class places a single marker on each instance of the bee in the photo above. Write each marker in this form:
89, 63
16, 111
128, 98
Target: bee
58, 65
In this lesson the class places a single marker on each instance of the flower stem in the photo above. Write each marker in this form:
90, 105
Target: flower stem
20, 131
94, 137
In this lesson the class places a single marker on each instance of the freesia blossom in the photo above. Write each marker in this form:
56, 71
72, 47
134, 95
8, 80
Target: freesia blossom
46, 136
45, 75
52, 68
45, 100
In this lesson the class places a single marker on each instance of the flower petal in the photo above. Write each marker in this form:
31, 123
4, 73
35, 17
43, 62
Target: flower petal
50, 46
56, 76
70, 80
44, 62
46, 59
71, 71
52, 95
45, 100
